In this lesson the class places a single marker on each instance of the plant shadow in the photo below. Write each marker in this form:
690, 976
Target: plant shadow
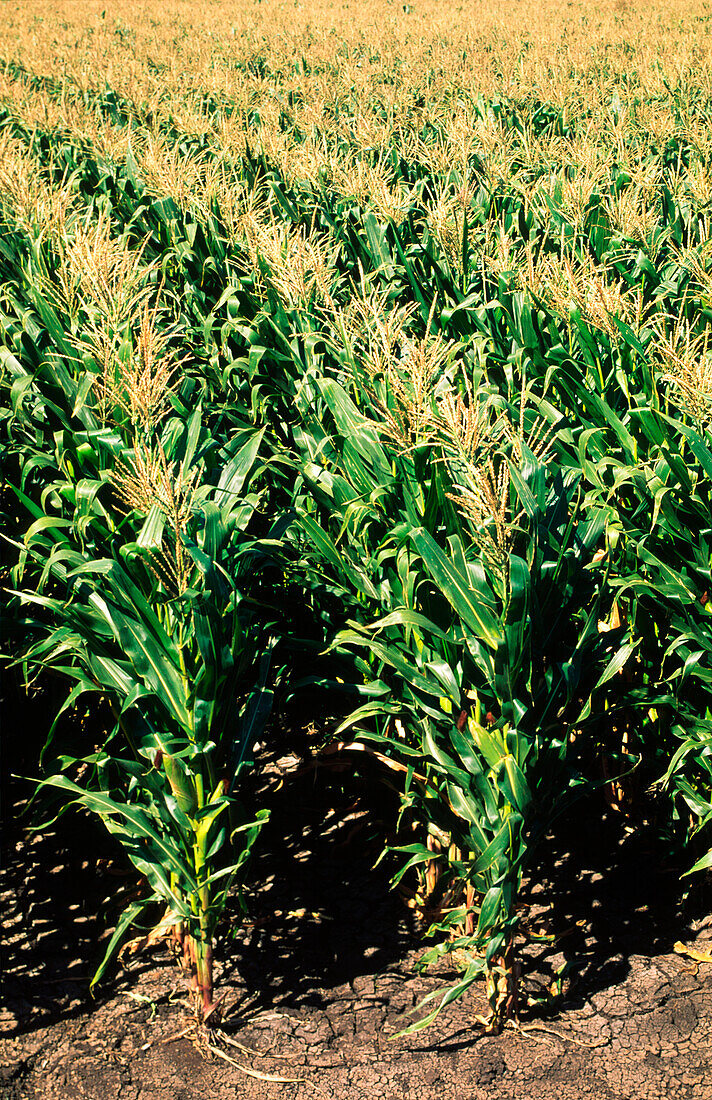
322, 912
603, 892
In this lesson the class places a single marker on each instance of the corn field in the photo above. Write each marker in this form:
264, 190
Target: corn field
358, 359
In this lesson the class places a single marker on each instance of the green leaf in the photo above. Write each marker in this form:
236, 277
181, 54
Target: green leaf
129, 916
456, 590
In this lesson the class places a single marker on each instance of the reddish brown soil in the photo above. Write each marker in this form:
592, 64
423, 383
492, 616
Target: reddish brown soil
322, 977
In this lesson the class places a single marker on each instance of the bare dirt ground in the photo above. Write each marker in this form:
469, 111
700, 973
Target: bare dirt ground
321, 975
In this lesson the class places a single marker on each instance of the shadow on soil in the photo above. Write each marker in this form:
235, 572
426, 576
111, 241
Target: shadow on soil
321, 913
605, 892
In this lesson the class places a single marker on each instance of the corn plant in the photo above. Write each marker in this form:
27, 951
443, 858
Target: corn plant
431, 502
638, 406
163, 633
142, 582
660, 577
